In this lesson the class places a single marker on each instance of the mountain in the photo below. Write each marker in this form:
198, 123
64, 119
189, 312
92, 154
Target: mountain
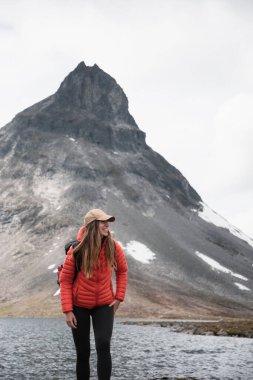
79, 149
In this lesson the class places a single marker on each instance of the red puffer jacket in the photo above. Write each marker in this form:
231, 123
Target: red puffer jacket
97, 290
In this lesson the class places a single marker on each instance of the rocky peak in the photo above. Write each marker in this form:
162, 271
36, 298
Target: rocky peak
95, 92
90, 105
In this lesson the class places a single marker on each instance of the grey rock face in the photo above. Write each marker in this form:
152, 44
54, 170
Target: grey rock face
80, 149
92, 90
89, 104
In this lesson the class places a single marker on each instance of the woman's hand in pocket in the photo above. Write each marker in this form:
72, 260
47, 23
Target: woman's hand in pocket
71, 319
115, 305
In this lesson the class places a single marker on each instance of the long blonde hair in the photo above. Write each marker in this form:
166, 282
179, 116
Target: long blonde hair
87, 251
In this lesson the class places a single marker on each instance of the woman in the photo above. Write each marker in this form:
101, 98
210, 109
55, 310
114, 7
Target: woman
87, 291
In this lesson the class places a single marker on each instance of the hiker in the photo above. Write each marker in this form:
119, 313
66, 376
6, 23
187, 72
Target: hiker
87, 291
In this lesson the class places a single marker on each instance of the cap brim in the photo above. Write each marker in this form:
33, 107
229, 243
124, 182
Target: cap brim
107, 218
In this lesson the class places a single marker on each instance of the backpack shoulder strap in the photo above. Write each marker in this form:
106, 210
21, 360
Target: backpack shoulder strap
71, 243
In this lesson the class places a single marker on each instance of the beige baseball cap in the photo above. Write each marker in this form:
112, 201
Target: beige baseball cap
97, 214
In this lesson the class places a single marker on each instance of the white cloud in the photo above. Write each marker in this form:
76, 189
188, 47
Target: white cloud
232, 157
228, 173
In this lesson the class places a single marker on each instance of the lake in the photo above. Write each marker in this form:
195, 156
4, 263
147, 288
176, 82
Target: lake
43, 349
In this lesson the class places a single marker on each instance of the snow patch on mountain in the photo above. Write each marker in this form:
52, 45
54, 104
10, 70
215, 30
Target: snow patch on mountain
57, 292
51, 266
211, 216
241, 287
139, 251
217, 266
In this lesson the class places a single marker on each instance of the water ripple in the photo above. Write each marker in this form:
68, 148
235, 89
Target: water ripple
33, 349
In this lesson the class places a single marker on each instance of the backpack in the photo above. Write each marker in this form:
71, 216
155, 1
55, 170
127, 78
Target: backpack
73, 244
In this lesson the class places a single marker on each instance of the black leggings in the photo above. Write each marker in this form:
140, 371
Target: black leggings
102, 321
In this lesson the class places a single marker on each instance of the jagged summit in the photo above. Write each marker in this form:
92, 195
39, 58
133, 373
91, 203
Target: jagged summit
92, 90
89, 104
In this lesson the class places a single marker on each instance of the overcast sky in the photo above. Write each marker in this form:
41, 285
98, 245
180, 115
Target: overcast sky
185, 66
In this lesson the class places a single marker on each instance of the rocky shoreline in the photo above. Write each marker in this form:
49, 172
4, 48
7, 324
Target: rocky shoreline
233, 328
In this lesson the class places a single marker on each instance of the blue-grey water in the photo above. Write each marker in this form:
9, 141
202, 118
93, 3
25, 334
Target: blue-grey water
43, 349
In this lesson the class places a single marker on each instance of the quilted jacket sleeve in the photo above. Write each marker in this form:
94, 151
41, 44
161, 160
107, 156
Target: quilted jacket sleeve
66, 282
121, 273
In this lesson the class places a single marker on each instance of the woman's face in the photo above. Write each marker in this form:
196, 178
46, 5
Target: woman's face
103, 228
